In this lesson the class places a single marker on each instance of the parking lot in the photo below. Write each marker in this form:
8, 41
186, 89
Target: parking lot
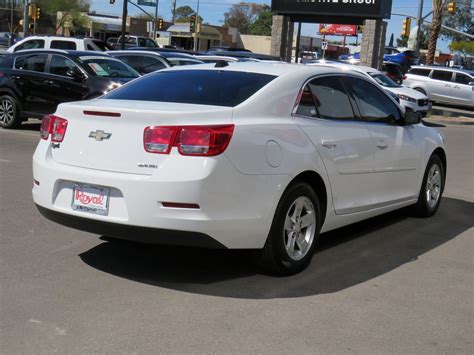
391, 284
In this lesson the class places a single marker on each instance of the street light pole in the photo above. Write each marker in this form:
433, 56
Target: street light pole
11, 22
25, 19
418, 32
195, 45
124, 22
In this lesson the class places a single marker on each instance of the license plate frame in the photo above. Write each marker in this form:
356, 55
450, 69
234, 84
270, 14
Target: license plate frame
91, 191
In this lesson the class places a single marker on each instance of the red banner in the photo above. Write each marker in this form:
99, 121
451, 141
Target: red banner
337, 30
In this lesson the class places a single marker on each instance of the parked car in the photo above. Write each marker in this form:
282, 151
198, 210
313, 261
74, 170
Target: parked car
245, 55
405, 58
227, 49
443, 85
131, 41
408, 98
394, 72
149, 61
5, 39
35, 82
59, 42
247, 156
215, 58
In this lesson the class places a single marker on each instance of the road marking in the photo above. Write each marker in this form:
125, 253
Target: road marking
36, 135
5, 161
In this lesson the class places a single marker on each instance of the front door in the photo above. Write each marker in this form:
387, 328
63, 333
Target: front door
325, 114
394, 146
463, 92
441, 86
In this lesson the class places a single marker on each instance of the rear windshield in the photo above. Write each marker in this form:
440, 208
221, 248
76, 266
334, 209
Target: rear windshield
204, 87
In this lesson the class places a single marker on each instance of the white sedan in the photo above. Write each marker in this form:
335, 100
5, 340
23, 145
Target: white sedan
247, 156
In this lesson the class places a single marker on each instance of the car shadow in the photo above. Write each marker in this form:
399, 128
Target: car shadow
345, 257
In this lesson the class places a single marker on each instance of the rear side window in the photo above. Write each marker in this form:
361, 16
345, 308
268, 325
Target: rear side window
463, 79
442, 75
63, 45
374, 105
31, 44
325, 98
150, 65
134, 61
204, 87
421, 72
32, 62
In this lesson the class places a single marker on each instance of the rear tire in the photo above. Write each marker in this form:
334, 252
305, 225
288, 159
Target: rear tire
9, 112
431, 189
294, 233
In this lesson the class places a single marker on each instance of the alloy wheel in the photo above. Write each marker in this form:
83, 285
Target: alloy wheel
7, 112
433, 186
300, 228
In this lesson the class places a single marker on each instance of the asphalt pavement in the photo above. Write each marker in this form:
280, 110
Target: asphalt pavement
393, 284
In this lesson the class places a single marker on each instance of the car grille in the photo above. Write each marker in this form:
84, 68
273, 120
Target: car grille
423, 102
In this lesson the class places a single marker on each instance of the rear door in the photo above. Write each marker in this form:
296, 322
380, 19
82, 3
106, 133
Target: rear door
28, 74
62, 87
441, 85
325, 113
396, 150
463, 92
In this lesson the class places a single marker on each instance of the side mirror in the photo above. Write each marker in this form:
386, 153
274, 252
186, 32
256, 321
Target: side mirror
471, 83
76, 74
412, 117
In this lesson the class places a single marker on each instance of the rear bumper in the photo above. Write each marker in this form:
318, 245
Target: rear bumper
235, 210
132, 233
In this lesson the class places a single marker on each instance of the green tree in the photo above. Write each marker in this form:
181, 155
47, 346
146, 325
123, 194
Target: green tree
184, 13
262, 26
242, 15
72, 13
463, 47
402, 41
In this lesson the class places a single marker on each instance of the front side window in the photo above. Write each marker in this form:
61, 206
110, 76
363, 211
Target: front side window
200, 87
31, 44
63, 45
421, 72
442, 75
61, 65
32, 62
150, 65
374, 105
463, 79
325, 98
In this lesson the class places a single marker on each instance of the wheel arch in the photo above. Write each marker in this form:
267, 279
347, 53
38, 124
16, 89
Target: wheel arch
315, 180
442, 155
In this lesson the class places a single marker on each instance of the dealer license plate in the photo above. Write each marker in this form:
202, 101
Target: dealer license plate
91, 199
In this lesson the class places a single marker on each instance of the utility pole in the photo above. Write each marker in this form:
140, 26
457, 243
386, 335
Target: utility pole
11, 22
298, 42
195, 45
156, 20
174, 11
418, 32
124, 22
25, 19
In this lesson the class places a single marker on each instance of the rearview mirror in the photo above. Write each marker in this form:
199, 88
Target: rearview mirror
412, 117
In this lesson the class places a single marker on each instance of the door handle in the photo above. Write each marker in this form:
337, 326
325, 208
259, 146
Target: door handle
48, 82
447, 86
382, 144
15, 77
328, 144
457, 87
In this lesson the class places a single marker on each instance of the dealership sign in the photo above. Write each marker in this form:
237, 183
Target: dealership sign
338, 30
357, 9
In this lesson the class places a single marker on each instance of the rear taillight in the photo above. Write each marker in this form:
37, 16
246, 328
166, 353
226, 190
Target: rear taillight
404, 77
159, 140
54, 126
190, 140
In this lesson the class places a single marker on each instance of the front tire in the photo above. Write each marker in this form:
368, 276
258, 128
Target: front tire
294, 232
9, 112
431, 189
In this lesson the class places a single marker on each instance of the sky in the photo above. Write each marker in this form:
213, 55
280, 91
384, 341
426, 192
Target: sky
212, 11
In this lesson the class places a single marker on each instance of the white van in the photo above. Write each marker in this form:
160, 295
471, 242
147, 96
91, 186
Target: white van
59, 42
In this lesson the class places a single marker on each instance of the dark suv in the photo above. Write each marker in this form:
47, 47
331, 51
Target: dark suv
34, 82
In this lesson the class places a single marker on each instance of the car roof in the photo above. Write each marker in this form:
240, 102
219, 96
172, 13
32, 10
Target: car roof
70, 52
268, 68
436, 67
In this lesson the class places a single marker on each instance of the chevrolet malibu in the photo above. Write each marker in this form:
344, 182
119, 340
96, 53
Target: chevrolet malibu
244, 155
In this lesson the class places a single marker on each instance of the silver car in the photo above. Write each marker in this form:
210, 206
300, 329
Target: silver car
444, 85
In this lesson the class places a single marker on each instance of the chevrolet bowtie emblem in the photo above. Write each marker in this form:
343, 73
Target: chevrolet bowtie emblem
99, 135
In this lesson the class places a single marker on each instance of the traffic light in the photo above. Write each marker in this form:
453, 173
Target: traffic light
406, 27
452, 7
192, 24
161, 24
37, 12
